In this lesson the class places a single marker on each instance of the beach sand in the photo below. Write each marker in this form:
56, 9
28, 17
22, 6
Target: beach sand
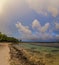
4, 54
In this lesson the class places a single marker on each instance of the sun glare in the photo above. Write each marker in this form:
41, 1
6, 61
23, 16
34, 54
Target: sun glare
2, 2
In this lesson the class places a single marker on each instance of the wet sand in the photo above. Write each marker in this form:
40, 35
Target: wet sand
4, 54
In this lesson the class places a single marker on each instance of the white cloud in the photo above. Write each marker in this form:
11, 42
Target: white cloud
57, 25
27, 34
36, 24
39, 34
23, 29
44, 6
44, 36
12, 11
53, 11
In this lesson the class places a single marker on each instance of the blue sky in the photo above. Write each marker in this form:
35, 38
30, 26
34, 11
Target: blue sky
31, 20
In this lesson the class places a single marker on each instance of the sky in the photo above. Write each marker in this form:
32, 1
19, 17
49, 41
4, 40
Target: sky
30, 20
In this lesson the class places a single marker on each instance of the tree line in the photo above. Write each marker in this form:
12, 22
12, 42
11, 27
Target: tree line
5, 38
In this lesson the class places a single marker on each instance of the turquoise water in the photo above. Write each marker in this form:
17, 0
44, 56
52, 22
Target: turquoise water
36, 47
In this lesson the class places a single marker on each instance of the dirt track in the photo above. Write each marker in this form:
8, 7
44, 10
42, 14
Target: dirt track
4, 54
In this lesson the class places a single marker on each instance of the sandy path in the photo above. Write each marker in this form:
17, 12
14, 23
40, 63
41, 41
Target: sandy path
4, 54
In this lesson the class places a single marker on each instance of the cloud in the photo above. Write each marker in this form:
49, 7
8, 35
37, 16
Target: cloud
28, 34
44, 36
27, 11
36, 24
12, 11
57, 25
23, 29
57, 37
45, 6
53, 11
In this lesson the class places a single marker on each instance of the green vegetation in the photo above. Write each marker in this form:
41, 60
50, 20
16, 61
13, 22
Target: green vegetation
5, 38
